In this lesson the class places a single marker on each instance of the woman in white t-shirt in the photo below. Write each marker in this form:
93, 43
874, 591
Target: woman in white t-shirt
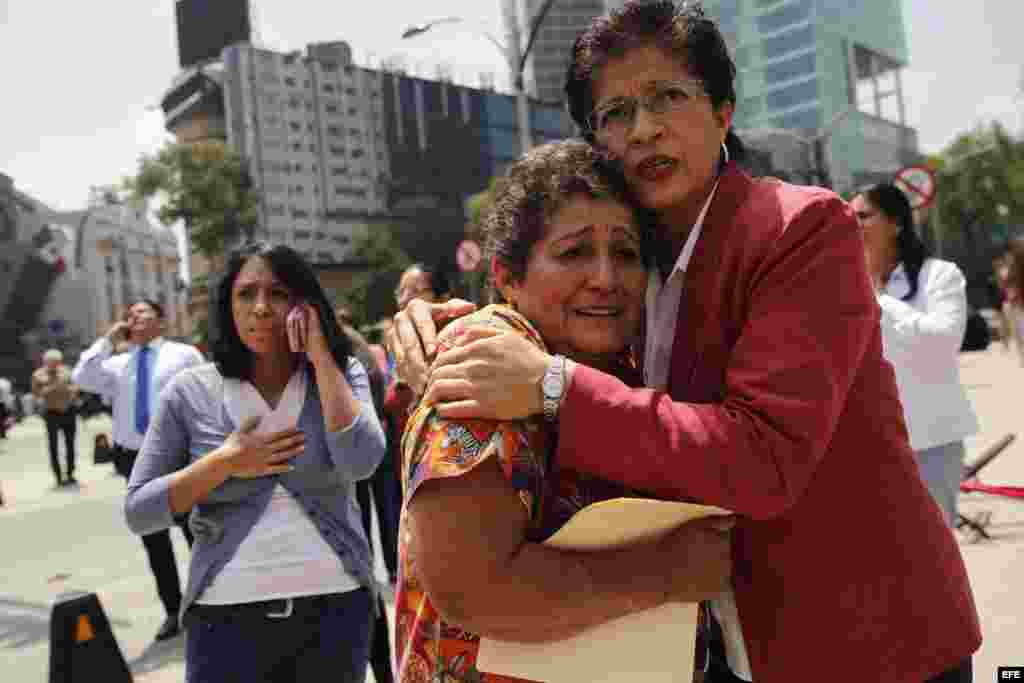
924, 315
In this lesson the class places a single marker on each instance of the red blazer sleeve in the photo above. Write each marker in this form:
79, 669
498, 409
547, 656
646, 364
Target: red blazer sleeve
810, 315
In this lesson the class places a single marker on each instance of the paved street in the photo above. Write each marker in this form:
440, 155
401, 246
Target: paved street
58, 540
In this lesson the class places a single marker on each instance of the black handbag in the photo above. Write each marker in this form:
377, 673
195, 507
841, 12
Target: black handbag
977, 335
102, 453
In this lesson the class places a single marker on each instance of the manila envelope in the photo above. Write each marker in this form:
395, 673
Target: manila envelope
653, 646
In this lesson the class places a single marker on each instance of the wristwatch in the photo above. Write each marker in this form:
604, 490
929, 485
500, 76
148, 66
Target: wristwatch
553, 387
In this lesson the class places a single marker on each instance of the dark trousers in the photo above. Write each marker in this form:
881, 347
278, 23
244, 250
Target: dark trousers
325, 637
160, 553
68, 424
159, 550
387, 499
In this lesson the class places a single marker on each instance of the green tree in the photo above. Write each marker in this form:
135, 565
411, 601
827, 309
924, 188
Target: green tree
979, 200
980, 184
205, 185
370, 296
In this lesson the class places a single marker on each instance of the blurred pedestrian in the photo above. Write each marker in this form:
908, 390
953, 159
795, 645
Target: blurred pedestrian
131, 379
264, 446
1005, 295
53, 386
418, 281
924, 316
7, 409
1013, 272
381, 492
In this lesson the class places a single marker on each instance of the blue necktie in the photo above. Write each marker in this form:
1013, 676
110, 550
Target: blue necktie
142, 392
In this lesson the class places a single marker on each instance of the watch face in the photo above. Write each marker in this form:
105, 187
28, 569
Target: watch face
552, 385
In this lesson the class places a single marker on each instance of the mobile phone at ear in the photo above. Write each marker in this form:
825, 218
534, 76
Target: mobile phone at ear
296, 326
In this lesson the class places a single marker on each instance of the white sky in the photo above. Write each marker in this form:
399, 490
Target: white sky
78, 77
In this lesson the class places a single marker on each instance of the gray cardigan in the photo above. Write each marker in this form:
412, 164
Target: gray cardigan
191, 421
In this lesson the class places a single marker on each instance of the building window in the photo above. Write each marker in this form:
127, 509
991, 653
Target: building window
878, 88
300, 213
356, 153
303, 234
339, 170
331, 108
289, 81
793, 95
776, 46
328, 87
337, 151
295, 126
335, 131
787, 70
784, 16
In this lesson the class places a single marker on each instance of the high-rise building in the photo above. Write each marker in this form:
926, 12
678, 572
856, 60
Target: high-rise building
312, 129
549, 56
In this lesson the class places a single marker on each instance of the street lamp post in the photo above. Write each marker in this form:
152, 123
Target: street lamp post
515, 57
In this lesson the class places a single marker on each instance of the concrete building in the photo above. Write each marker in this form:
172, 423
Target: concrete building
65, 277
119, 257
312, 129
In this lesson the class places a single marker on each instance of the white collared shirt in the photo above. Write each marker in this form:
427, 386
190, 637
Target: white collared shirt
921, 338
113, 378
662, 318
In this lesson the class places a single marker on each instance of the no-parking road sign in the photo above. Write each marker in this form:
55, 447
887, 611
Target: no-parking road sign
918, 183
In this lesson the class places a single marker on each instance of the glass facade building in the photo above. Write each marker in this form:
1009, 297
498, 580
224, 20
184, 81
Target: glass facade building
803, 64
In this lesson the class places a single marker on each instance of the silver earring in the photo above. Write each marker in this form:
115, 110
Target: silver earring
725, 153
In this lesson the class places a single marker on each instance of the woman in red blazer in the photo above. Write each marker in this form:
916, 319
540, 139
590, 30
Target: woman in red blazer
770, 393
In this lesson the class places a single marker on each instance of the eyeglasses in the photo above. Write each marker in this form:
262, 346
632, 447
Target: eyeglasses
611, 122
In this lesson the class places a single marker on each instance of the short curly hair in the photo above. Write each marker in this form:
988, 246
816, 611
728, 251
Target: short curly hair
683, 30
539, 184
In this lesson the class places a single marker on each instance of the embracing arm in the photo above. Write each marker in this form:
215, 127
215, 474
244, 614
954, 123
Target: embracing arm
468, 545
811, 316
938, 330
